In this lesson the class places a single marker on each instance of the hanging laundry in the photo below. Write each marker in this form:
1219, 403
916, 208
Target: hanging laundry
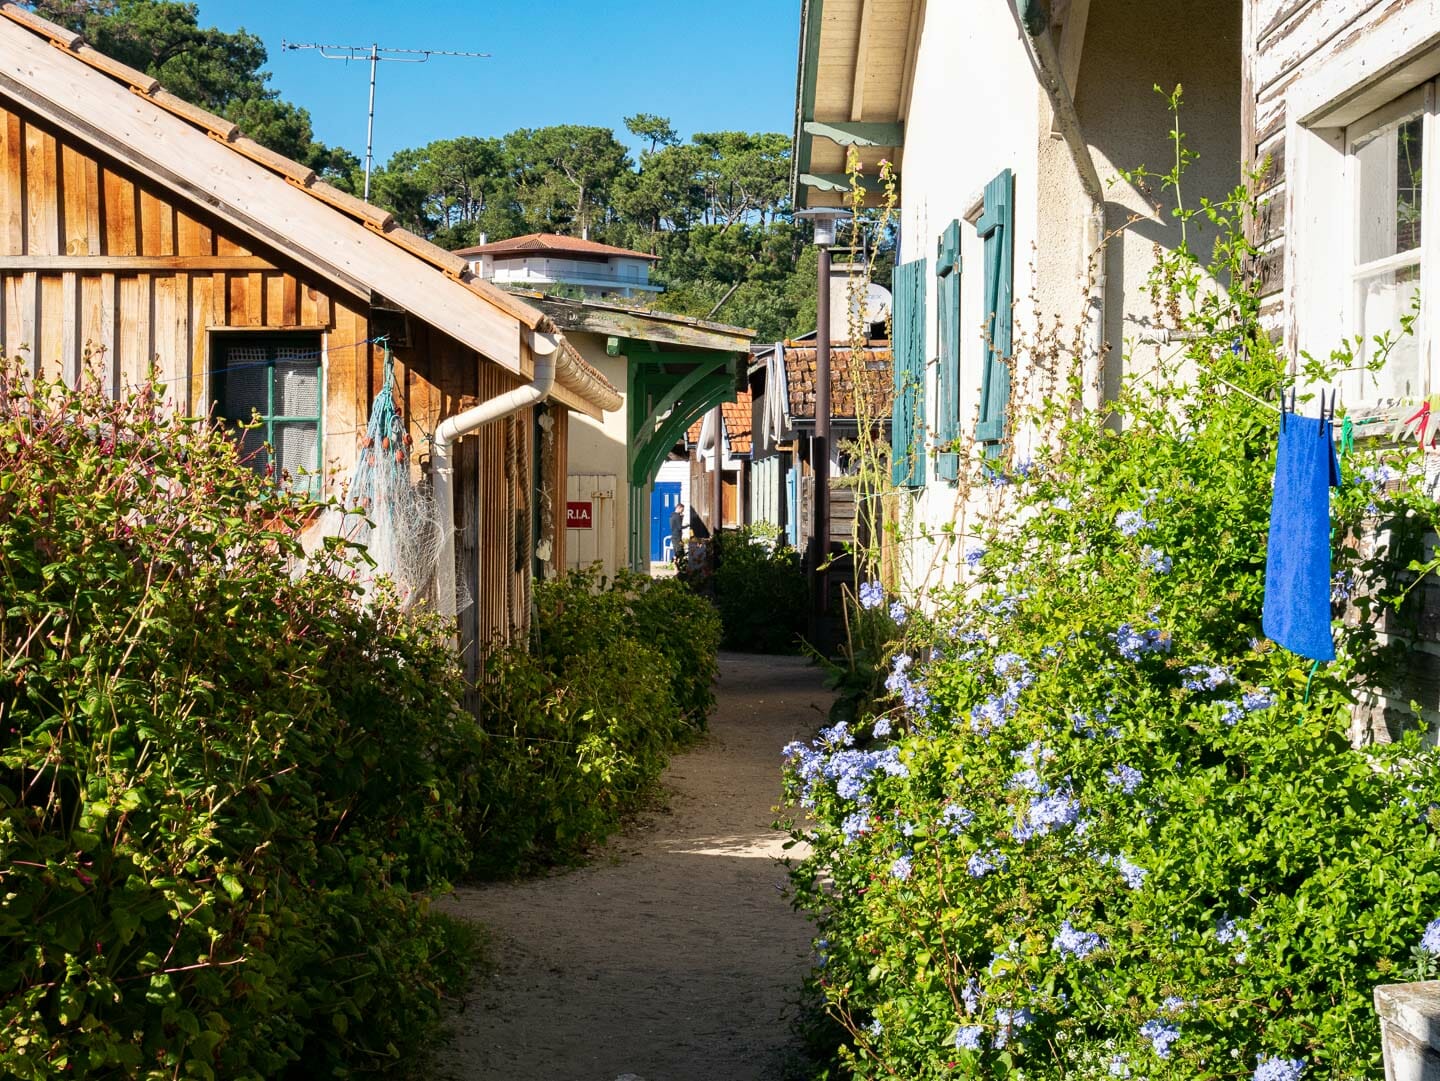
1297, 561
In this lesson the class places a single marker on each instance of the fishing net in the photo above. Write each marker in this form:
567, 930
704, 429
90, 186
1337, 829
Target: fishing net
382, 507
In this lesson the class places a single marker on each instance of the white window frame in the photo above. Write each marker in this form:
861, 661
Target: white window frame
1360, 385
1331, 98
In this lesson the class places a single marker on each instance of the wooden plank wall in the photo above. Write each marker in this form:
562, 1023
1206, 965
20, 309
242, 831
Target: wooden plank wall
99, 268
1283, 39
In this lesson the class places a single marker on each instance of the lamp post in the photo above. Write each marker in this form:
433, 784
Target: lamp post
824, 219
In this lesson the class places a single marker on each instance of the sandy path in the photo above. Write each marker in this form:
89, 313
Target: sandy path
673, 956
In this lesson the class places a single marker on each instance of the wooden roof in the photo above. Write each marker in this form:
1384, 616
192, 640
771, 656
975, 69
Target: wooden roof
547, 243
856, 61
204, 159
737, 418
874, 378
642, 324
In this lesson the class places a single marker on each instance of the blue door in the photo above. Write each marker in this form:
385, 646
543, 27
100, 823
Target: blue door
792, 506
663, 498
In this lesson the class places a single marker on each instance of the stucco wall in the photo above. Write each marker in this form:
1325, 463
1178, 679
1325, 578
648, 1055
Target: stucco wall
598, 446
976, 108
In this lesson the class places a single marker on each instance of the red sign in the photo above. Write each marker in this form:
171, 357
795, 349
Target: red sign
579, 516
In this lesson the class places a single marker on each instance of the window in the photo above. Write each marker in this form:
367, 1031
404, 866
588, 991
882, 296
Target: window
277, 377
1388, 261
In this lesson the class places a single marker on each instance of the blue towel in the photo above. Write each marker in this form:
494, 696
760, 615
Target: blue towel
1297, 562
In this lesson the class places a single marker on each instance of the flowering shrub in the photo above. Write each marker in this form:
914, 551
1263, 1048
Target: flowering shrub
1102, 828
226, 790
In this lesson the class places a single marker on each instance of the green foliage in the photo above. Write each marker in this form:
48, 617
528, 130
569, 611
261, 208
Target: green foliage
226, 789
578, 730
760, 591
1105, 829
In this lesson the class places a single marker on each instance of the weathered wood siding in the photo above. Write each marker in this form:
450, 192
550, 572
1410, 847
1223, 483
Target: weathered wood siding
1284, 38
98, 266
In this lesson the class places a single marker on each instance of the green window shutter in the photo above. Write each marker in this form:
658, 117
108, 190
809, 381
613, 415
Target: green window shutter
996, 229
947, 294
907, 353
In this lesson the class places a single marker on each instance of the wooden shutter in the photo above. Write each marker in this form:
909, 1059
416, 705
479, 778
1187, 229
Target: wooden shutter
947, 294
996, 229
907, 467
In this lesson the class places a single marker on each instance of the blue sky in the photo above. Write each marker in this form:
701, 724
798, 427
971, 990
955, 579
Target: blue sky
708, 67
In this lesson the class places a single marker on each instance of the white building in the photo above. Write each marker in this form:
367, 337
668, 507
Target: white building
1008, 124
541, 261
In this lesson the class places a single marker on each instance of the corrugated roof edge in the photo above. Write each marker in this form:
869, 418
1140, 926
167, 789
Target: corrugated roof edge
578, 375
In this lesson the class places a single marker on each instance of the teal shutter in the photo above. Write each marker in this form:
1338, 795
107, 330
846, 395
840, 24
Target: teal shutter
996, 229
907, 353
947, 294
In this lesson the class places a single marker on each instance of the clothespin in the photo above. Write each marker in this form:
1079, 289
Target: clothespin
1347, 436
1417, 422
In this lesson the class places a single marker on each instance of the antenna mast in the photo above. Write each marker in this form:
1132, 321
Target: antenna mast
375, 54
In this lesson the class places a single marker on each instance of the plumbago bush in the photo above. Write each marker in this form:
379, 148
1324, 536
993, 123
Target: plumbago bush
227, 790
1103, 828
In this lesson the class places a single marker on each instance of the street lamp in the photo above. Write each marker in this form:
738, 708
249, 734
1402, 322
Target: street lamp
824, 219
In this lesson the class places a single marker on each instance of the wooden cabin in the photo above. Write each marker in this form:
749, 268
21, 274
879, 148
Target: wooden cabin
139, 230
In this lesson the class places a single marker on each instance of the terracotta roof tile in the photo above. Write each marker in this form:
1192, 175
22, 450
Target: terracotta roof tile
874, 375
551, 242
737, 417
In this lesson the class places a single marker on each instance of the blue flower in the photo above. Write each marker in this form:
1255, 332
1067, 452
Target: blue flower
1278, 1069
1256, 700
1156, 560
900, 869
1430, 940
1131, 522
970, 995
1207, 677
1161, 1035
1377, 475
875, 1027
974, 556
1126, 778
1047, 814
1134, 876
872, 595
1230, 711
982, 863
1134, 644
898, 613
840, 734
968, 1037
855, 825
956, 817
1061, 502
1173, 1004
1227, 932
881, 728
1119, 1065
1009, 1021
1028, 780
1077, 944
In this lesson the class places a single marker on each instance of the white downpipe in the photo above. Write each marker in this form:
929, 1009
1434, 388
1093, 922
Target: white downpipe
452, 429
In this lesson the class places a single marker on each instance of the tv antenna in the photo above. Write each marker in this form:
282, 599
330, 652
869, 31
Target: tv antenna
375, 54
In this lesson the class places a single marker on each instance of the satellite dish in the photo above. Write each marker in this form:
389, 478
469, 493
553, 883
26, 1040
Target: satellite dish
851, 295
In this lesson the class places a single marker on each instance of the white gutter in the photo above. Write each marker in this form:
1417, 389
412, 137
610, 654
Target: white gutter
545, 348
1034, 19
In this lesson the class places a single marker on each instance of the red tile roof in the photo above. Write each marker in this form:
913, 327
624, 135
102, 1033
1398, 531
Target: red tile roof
541, 243
737, 417
873, 373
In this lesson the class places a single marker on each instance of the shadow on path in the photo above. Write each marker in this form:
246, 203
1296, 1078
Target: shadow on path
675, 956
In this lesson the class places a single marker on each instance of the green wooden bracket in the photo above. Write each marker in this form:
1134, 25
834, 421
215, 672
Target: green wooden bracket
705, 395
857, 133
